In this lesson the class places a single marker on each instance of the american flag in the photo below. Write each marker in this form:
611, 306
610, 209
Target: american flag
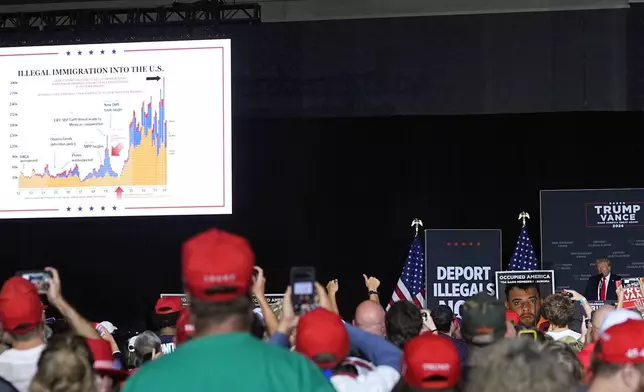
524, 258
411, 284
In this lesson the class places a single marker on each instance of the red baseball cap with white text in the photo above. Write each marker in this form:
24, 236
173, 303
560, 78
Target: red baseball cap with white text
217, 266
431, 363
623, 343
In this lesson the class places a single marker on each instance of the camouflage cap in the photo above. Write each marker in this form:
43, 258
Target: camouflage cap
483, 320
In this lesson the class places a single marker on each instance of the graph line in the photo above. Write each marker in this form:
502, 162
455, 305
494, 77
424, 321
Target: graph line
146, 163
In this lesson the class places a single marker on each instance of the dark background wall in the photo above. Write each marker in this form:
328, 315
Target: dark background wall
636, 56
469, 64
506, 63
335, 149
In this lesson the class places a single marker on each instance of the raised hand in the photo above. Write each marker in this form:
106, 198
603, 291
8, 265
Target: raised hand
371, 282
332, 287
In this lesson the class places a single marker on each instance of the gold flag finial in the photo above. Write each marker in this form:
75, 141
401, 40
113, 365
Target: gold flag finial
417, 223
523, 216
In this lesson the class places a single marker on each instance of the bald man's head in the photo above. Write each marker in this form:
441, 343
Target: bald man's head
370, 316
599, 316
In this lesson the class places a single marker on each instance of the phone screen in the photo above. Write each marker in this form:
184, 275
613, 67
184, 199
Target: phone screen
303, 288
40, 279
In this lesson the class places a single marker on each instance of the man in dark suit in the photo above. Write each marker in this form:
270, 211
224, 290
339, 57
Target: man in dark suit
603, 286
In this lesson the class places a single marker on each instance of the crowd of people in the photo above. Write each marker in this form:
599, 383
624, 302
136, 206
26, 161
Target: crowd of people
218, 342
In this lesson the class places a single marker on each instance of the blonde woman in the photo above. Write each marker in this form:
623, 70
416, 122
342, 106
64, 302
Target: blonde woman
64, 366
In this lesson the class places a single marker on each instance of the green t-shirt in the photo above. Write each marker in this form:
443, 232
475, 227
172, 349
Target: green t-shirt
234, 362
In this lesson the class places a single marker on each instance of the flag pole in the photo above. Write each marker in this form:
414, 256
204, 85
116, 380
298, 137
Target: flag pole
416, 223
523, 216
523, 258
411, 283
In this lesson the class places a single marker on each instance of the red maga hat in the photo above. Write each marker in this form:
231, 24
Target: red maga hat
217, 266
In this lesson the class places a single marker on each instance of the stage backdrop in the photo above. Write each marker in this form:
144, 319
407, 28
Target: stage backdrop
459, 264
579, 226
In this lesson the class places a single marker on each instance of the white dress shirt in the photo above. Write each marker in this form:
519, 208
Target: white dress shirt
599, 287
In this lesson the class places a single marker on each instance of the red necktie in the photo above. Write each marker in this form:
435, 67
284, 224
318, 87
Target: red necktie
602, 290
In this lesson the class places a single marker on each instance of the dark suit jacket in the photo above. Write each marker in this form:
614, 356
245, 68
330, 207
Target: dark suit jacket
593, 286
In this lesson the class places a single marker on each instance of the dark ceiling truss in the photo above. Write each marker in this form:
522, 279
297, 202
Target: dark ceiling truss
206, 13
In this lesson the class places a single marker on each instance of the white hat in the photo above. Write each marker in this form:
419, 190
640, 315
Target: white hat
616, 317
108, 326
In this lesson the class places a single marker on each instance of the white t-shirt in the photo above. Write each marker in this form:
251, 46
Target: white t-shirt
562, 334
19, 366
381, 379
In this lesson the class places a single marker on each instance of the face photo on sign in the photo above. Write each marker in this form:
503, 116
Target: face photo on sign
524, 296
525, 300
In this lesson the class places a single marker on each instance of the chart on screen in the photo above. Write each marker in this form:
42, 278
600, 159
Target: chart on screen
107, 130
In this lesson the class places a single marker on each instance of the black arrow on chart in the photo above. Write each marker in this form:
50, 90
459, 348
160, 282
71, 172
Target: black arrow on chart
157, 78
